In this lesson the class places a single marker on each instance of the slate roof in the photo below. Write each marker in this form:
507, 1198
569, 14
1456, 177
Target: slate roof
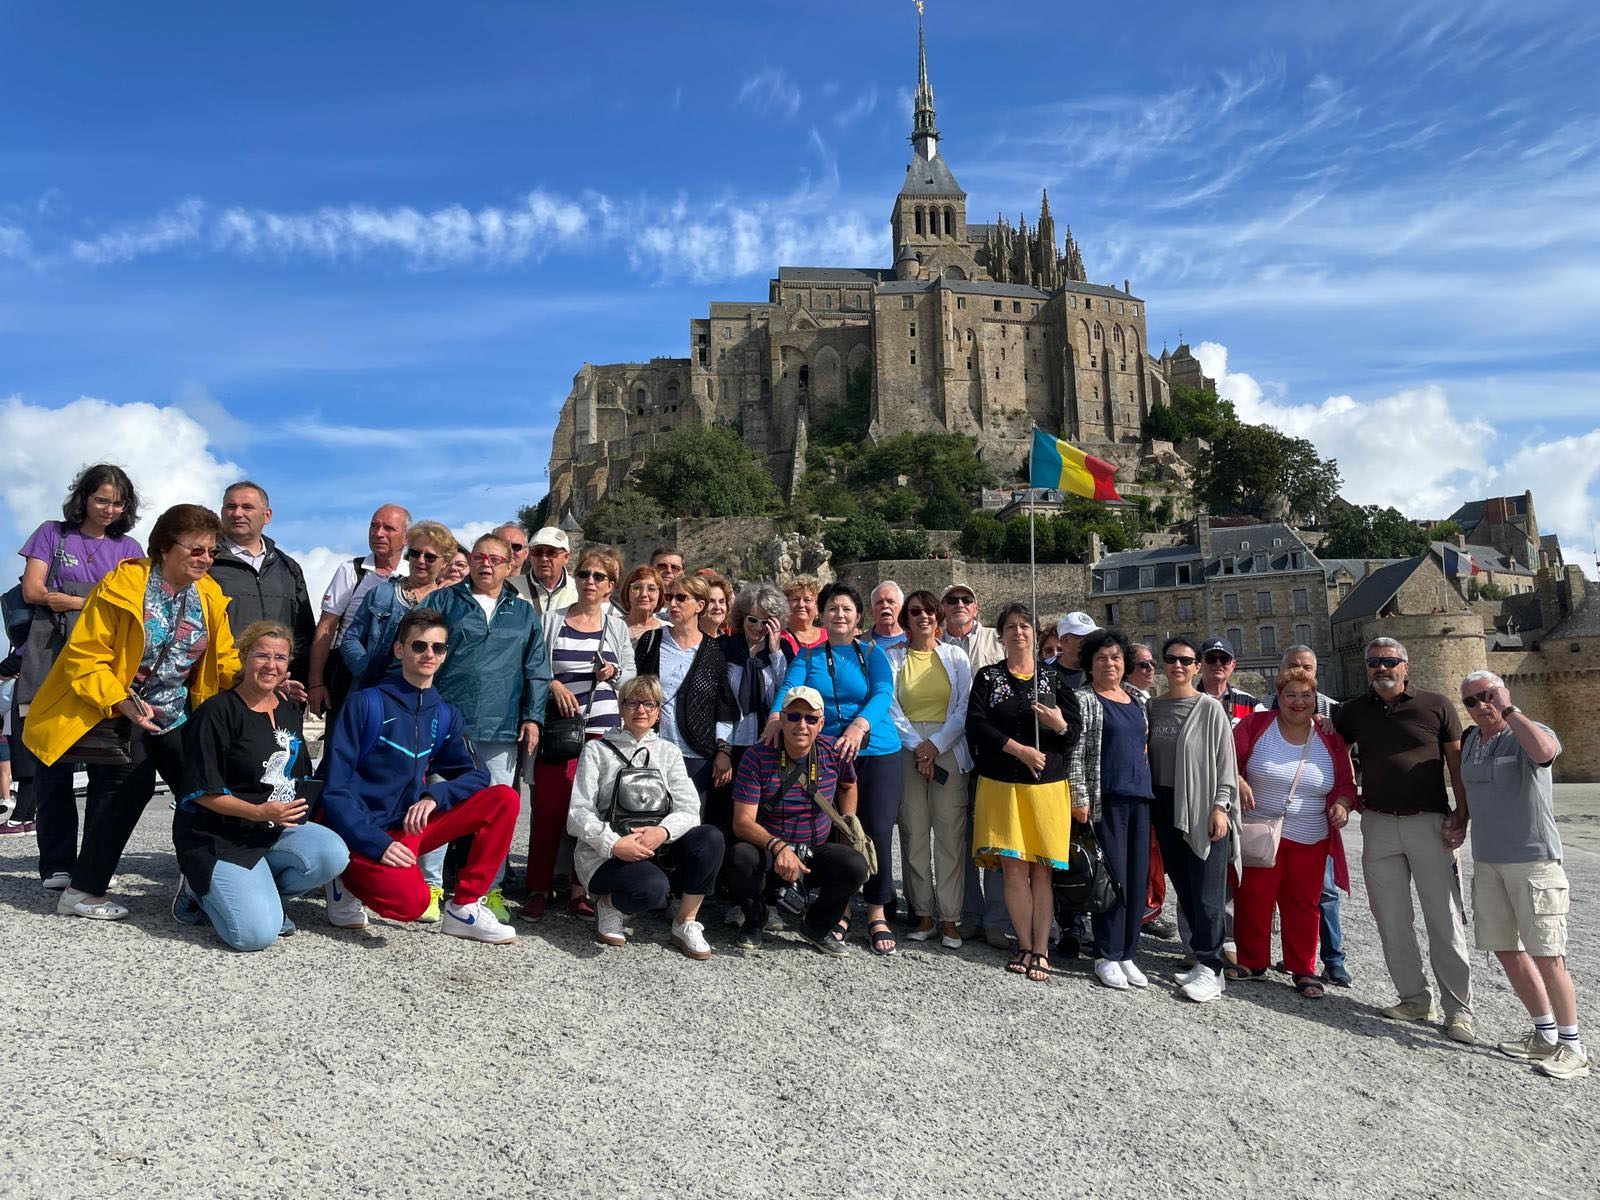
1369, 596
930, 177
1470, 513
1585, 622
833, 274
1356, 566
1487, 558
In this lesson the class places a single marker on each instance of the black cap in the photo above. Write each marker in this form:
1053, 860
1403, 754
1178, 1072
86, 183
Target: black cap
1218, 643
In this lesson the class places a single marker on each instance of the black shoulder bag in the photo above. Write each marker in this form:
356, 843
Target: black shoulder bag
561, 738
639, 795
109, 743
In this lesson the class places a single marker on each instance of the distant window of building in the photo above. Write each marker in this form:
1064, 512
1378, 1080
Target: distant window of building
1119, 308
1236, 636
1147, 611
1185, 573
913, 358
1147, 577
1302, 635
1263, 604
1185, 608
911, 329
1297, 560
969, 335
1302, 600
1136, 310
997, 372
919, 220
1113, 614
969, 362
672, 394
1259, 563
827, 300
1277, 541
908, 301
722, 354
1016, 306
1033, 310
1230, 604
961, 302
1072, 301
997, 306
1344, 590
1269, 639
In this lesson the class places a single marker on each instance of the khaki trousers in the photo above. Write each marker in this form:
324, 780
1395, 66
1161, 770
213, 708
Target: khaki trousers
936, 811
1397, 851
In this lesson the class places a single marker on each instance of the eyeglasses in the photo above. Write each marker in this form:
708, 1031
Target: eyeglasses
420, 646
591, 576
101, 502
542, 551
425, 555
640, 585
1384, 660
1217, 660
1187, 660
198, 551
517, 547
1484, 698
641, 705
494, 560
811, 718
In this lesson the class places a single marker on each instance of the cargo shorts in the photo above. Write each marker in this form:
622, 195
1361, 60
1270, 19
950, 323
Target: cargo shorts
1521, 906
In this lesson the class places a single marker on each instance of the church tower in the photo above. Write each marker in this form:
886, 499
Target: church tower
930, 213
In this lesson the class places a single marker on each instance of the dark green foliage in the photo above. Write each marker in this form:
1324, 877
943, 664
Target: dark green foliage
1485, 591
867, 536
610, 520
534, 517
1060, 538
1367, 531
820, 493
982, 536
847, 424
706, 471
1193, 413
944, 508
1247, 466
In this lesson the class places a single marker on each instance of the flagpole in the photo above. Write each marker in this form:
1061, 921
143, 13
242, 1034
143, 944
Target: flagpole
1033, 571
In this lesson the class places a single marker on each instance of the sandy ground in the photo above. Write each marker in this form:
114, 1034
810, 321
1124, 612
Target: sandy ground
146, 1060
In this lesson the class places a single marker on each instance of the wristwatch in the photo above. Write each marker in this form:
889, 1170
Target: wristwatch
1508, 710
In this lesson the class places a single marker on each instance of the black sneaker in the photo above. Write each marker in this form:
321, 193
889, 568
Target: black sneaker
1163, 928
1336, 974
825, 942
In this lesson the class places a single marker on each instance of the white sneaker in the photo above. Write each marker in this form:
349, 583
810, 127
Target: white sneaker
1134, 976
1204, 987
1189, 976
344, 910
1109, 972
610, 925
74, 903
59, 882
690, 937
477, 922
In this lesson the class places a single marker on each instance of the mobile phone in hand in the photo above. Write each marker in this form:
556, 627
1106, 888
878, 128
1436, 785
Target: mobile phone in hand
940, 775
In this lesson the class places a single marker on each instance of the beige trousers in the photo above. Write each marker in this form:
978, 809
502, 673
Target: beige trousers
1397, 852
935, 811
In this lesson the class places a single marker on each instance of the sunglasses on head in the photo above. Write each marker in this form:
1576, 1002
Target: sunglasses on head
1484, 698
1384, 660
591, 576
425, 555
810, 718
421, 646
1187, 660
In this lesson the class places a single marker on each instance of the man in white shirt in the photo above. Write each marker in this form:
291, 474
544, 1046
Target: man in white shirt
327, 677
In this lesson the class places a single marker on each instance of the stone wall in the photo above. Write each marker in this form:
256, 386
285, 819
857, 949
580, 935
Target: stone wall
1557, 684
1443, 648
1063, 587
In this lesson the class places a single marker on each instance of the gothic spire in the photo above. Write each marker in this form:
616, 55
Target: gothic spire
924, 134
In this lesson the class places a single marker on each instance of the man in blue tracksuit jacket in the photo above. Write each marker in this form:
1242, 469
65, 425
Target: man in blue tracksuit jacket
388, 742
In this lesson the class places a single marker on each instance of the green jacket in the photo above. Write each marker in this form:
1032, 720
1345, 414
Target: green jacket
497, 673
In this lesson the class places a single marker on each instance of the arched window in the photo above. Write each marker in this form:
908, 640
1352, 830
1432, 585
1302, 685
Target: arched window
919, 221
949, 222
1098, 332
672, 395
640, 399
805, 379
766, 388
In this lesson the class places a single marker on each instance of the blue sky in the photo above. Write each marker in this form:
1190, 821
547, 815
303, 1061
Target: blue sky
358, 251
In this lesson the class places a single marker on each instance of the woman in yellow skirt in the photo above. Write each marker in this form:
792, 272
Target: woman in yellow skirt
1021, 725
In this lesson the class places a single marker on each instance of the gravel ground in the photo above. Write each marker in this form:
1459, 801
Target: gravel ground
146, 1060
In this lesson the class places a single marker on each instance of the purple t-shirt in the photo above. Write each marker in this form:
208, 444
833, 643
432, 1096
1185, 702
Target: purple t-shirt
75, 558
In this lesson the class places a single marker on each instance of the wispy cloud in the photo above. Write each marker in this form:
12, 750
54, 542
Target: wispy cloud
771, 91
864, 105
178, 226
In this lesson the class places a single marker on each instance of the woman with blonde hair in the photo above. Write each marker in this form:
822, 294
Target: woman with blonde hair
367, 645
241, 832
803, 631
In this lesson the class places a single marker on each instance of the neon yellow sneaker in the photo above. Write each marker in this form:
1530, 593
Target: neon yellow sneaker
430, 915
495, 901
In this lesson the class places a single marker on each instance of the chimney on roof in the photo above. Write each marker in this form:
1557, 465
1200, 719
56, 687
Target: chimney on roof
1202, 533
1127, 290
1096, 549
1459, 540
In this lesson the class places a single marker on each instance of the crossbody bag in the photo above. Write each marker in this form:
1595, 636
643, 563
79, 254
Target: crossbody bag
847, 830
1259, 839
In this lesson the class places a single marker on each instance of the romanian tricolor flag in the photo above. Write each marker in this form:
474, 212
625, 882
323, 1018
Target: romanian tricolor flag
1059, 465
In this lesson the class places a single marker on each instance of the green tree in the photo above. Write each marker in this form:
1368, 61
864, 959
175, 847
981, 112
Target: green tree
1247, 466
982, 536
1443, 531
706, 471
944, 509
868, 536
1367, 531
822, 494
610, 520
534, 517
847, 423
1192, 413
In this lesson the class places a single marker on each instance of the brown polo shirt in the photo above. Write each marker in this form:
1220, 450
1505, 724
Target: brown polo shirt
1401, 746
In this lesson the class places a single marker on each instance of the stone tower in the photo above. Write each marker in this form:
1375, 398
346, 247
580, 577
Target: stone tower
929, 221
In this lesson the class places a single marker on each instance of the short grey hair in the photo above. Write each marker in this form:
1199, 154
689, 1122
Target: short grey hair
1388, 643
1294, 650
887, 583
1488, 677
760, 599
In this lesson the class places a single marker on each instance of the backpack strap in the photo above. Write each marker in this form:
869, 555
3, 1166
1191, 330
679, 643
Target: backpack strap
371, 720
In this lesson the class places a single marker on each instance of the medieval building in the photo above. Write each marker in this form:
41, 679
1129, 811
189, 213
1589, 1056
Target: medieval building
979, 329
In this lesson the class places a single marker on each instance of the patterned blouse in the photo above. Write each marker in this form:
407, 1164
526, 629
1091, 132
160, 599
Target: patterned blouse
179, 620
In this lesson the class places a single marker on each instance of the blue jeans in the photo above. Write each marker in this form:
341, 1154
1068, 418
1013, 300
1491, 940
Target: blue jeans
1332, 935
246, 905
501, 759
1124, 834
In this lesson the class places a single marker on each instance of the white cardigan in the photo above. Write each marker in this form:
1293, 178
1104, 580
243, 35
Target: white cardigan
952, 735
591, 791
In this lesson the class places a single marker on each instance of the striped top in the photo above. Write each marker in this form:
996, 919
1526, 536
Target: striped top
572, 664
1271, 770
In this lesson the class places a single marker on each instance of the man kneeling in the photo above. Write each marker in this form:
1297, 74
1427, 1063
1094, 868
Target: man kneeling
783, 852
389, 740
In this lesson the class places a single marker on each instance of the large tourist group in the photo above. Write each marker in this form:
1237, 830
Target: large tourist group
742, 758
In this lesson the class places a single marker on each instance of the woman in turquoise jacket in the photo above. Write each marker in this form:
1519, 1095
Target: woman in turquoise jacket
857, 687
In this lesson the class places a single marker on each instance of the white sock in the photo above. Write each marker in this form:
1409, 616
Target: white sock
1569, 1038
1546, 1025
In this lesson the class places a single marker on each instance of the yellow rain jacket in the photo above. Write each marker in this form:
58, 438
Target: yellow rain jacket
97, 665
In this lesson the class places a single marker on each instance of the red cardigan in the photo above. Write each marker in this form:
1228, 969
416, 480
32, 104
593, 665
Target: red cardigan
1249, 730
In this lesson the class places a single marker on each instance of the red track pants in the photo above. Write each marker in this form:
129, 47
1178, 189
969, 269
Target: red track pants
1292, 885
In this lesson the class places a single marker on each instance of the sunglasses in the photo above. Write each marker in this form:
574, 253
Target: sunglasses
1187, 660
1384, 660
542, 551
641, 705
1484, 698
959, 601
920, 612
198, 551
517, 547
1217, 660
425, 555
420, 646
680, 598
811, 718
1147, 664
494, 560
591, 576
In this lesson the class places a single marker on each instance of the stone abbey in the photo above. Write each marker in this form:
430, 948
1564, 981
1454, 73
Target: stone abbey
985, 330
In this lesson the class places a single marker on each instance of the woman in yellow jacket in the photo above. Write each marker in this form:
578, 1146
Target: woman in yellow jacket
152, 642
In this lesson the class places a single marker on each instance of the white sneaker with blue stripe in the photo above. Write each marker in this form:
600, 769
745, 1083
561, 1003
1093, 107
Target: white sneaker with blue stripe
476, 922
344, 910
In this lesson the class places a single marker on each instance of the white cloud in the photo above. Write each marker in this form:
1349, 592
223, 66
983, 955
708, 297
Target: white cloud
179, 226
318, 565
1411, 450
14, 242
164, 450
770, 90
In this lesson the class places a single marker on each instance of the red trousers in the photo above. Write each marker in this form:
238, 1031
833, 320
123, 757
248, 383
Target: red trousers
547, 820
1292, 885
401, 894
1155, 888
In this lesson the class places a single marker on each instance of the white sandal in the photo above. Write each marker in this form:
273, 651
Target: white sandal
74, 903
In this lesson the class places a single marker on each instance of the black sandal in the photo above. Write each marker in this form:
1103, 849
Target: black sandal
1309, 986
840, 931
1238, 974
1019, 964
875, 938
1038, 968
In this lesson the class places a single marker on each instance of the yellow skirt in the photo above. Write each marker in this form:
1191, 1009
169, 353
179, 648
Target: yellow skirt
1028, 821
